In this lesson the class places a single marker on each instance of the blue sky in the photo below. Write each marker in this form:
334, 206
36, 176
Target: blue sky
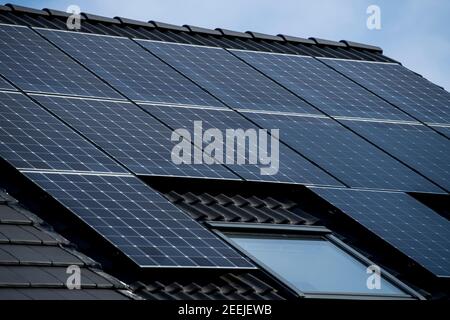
415, 32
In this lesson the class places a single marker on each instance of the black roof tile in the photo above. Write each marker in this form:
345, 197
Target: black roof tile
19, 234
11, 216
21, 9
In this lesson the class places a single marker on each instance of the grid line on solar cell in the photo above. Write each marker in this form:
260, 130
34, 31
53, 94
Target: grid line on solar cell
4, 85
400, 86
292, 167
397, 218
416, 145
228, 78
139, 222
128, 134
35, 65
130, 69
344, 154
31, 137
321, 86
443, 130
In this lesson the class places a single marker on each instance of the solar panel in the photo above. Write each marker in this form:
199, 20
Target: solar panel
416, 145
35, 65
397, 218
4, 85
342, 153
400, 86
32, 138
138, 221
292, 168
321, 86
443, 130
130, 69
131, 136
228, 78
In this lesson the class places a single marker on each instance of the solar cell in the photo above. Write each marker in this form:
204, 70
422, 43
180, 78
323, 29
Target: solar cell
400, 86
416, 145
4, 85
342, 153
292, 168
321, 86
397, 218
138, 221
131, 136
231, 80
443, 130
32, 138
35, 65
130, 69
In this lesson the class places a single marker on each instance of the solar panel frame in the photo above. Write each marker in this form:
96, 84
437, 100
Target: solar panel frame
32, 138
142, 224
403, 88
414, 144
129, 135
293, 168
130, 69
321, 86
226, 77
403, 222
35, 65
344, 154
443, 130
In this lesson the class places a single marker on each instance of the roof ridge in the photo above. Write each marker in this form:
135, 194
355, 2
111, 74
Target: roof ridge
188, 29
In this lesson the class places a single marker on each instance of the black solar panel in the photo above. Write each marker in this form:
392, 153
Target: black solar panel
416, 145
321, 86
343, 154
32, 138
400, 86
130, 69
397, 218
4, 85
228, 78
138, 221
130, 135
292, 167
443, 130
33, 64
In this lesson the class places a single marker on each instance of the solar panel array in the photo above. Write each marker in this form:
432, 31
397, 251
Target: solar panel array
130, 69
98, 109
35, 65
291, 167
416, 145
341, 152
32, 138
131, 136
226, 77
400, 86
138, 221
399, 219
321, 86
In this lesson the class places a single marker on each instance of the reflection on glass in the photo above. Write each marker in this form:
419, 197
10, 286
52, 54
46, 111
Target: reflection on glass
313, 265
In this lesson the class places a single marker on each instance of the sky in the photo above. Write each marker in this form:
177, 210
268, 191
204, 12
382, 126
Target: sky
414, 32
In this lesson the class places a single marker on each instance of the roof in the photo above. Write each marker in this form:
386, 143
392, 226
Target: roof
34, 261
44, 230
